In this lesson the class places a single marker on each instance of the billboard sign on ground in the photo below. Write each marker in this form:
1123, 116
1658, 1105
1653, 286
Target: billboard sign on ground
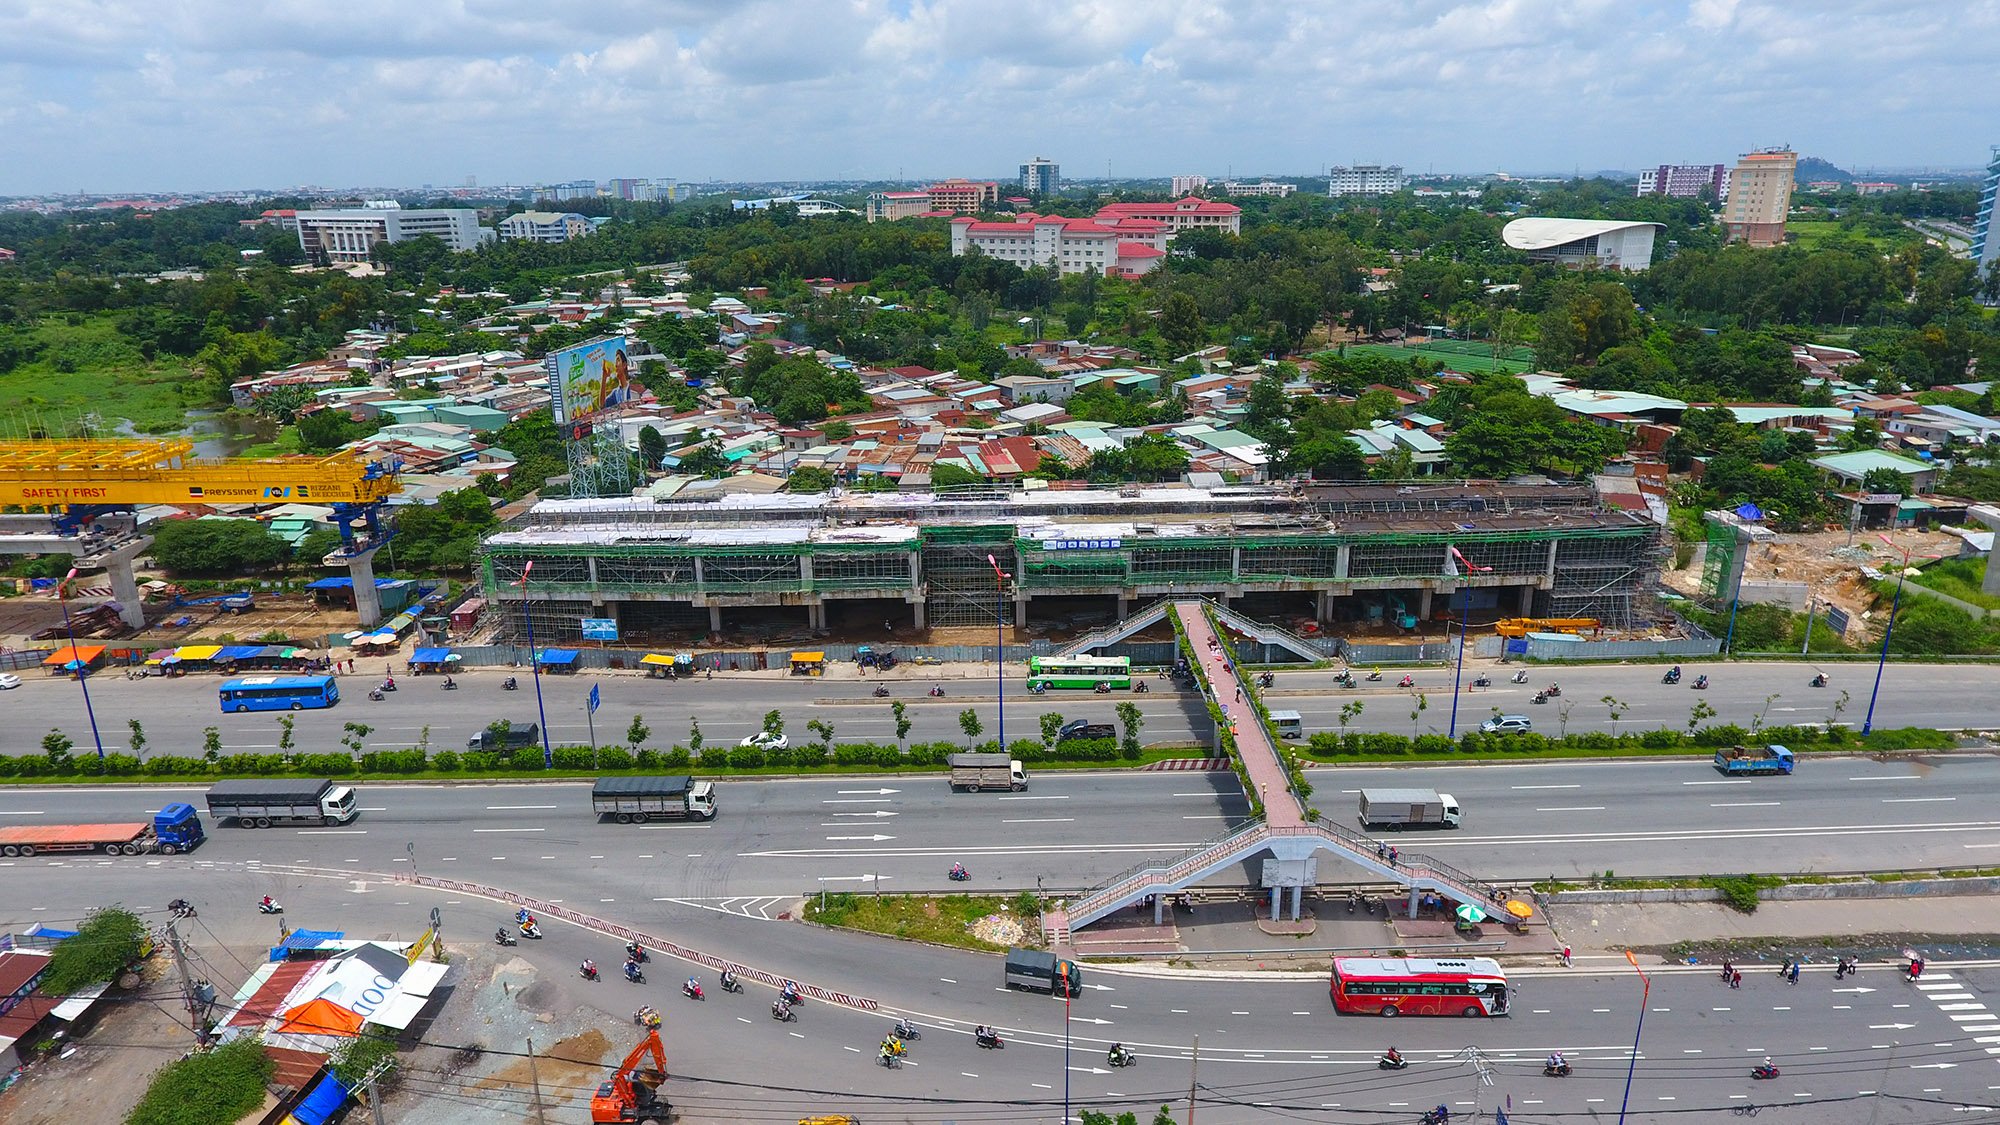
589, 378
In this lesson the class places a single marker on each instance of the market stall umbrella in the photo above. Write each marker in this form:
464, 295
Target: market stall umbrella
1471, 913
1518, 908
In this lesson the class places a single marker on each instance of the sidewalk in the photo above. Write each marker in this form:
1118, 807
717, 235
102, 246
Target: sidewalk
1607, 930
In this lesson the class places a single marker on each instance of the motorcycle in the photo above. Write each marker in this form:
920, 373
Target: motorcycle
1102, 688
389, 684
789, 993
1266, 680
891, 1059
1819, 680
647, 1018
1387, 1063
1671, 678
1521, 677
1554, 689
1700, 684
181, 908
1541, 697
881, 691
450, 684
636, 952
692, 990
1375, 675
729, 982
587, 972
782, 1012
508, 684
634, 973
1555, 1070
1439, 1116
269, 907
1037, 689
958, 874
1762, 1072
375, 694
1407, 681
1481, 681
1141, 687
1120, 1057
937, 693
989, 1040
530, 930
907, 1031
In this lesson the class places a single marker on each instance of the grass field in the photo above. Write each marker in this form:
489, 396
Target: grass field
1960, 578
1814, 233
1458, 355
106, 377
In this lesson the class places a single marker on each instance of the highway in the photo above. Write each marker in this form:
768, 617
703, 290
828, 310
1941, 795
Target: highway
1870, 1049
175, 712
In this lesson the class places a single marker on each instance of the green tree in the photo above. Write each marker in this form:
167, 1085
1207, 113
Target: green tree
285, 725
139, 736
106, 941
1701, 710
1181, 325
809, 478
694, 736
637, 734
901, 712
1156, 457
823, 729
968, 721
58, 746
1130, 721
652, 447
224, 1084
1052, 724
944, 474
211, 743
217, 546
774, 722
1886, 481
355, 737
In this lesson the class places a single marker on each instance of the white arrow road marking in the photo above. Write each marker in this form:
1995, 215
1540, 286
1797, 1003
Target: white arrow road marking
1854, 990
862, 801
866, 792
870, 812
878, 837
1933, 1066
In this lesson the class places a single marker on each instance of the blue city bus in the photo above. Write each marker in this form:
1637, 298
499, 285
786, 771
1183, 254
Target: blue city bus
279, 693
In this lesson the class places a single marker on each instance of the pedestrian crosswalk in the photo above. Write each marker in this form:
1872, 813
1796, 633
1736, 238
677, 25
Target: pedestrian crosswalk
1962, 1006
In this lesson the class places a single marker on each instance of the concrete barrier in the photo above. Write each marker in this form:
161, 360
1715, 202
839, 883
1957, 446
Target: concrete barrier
1790, 892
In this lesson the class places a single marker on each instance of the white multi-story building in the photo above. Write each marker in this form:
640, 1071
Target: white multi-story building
347, 236
1041, 175
1365, 179
1683, 181
1107, 244
572, 189
1986, 236
544, 226
1262, 187
1188, 185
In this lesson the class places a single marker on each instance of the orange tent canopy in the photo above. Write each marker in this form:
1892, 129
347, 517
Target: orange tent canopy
321, 1017
79, 654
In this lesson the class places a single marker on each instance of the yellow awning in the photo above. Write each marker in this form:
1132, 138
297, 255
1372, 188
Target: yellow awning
809, 658
198, 652
656, 658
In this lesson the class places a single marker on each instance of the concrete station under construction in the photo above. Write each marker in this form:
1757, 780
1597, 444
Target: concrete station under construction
1366, 557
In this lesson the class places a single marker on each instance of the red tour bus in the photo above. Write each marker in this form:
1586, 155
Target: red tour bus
1416, 986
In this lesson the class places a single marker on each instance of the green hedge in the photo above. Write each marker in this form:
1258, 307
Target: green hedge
1329, 745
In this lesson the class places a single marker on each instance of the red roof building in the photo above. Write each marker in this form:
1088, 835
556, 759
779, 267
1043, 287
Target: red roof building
1192, 213
1119, 246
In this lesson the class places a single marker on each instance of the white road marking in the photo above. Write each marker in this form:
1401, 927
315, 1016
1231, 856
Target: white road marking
1742, 804
1572, 786
1046, 797
1574, 808
500, 808
1888, 777
1914, 800
513, 830
1043, 820
861, 801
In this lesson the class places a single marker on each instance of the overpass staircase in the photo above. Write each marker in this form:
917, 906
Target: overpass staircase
1309, 649
1288, 832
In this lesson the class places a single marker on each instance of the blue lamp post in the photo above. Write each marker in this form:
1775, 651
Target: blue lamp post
535, 666
82, 671
1882, 661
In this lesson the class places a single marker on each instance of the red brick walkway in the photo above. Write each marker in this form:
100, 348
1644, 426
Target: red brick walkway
1260, 758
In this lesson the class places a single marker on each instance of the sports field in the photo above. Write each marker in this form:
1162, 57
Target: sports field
1459, 355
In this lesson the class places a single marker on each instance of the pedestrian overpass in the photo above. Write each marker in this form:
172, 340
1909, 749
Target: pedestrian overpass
1286, 834
1309, 649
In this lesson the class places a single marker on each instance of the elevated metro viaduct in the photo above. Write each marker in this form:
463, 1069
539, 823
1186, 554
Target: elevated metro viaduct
1329, 552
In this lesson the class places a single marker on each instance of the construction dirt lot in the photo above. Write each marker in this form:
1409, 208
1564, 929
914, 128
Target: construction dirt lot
294, 617
1829, 563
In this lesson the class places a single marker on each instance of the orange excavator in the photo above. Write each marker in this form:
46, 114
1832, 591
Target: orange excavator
630, 1094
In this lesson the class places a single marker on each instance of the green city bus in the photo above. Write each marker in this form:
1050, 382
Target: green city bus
1080, 672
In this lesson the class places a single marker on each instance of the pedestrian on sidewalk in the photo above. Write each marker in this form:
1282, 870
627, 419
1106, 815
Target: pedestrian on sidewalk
1736, 978
1381, 850
1392, 855
1239, 695
1792, 974
1727, 970
1565, 957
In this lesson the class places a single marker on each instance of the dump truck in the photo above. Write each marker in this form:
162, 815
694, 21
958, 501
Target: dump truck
1397, 809
174, 829
986, 771
1754, 759
263, 803
1042, 972
513, 738
635, 800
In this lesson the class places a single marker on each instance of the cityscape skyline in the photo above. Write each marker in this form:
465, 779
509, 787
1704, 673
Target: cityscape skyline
212, 99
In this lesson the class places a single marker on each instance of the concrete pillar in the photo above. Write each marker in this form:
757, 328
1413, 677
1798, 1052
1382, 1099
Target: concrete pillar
367, 601
1236, 564
1549, 571
1424, 605
1020, 608
1342, 555
1124, 607
715, 619
1277, 896
1324, 611
124, 584
1527, 601
916, 571
1159, 910
1413, 902
1297, 894
1991, 518
917, 614
806, 571
700, 578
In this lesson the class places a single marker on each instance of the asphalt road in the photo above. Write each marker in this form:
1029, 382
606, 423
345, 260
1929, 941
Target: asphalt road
1872, 1049
779, 838
175, 712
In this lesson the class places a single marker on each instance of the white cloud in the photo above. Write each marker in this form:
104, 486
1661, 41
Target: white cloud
217, 93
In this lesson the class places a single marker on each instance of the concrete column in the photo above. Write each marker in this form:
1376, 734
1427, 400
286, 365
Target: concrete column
1297, 894
1277, 896
368, 602
816, 615
1413, 902
1342, 555
1020, 608
916, 570
701, 578
124, 584
715, 619
917, 614
806, 571
1236, 564
1159, 910
1527, 601
1324, 611
1991, 518
1124, 607
1424, 604
1549, 572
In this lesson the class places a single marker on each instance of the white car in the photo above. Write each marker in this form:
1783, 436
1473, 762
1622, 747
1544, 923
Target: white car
9, 680
765, 740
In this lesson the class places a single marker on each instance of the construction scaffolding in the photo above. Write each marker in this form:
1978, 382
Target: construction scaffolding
959, 584
1610, 577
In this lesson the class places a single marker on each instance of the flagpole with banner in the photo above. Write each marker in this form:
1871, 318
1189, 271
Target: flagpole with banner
1464, 625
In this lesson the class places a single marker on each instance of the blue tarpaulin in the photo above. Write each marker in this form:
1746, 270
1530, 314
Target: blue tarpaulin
1750, 512
304, 939
430, 655
556, 656
239, 652
320, 1106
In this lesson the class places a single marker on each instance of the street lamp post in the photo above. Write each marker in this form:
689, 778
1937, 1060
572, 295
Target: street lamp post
1882, 661
1645, 997
535, 666
1464, 627
1000, 648
82, 670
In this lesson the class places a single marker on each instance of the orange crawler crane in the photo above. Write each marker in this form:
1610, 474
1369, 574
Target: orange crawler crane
630, 1094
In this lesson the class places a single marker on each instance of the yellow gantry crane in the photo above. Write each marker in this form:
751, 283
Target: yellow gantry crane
91, 476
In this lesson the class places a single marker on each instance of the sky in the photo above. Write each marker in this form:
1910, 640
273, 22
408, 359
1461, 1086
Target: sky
189, 95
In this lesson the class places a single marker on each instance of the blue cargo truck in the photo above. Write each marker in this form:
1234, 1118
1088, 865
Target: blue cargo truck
174, 829
1753, 759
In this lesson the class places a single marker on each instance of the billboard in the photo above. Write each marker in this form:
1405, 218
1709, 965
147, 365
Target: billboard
600, 629
589, 378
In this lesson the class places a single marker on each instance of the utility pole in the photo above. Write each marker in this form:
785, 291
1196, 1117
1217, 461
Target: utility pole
1194, 1068
194, 1006
368, 1080
536, 1079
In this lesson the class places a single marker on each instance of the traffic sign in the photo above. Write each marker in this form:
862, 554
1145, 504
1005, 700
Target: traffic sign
593, 699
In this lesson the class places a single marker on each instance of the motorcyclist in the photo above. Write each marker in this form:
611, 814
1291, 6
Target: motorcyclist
1676, 673
1117, 1053
588, 968
894, 1046
509, 684
692, 988
1441, 1114
1556, 1061
1406, 681
789, 992
631, 970
635, 951
500, 935
728, 981
958, 871
524, 917
265, 902
1394, 1057
780, 1009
